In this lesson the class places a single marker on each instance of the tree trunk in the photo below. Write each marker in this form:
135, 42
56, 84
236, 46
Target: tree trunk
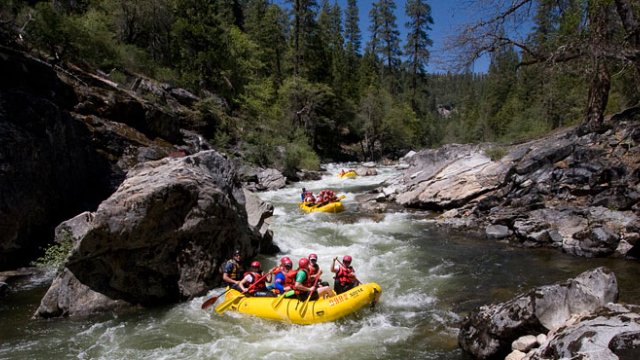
599, 27
296, 39
598, 97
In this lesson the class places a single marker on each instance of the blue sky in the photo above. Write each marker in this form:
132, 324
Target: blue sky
448, 16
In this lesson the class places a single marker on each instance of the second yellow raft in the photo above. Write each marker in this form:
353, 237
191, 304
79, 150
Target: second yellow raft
332, 207
349, 174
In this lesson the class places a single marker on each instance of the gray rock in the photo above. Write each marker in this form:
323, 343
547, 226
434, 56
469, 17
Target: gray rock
271, 179
524, 343
612, 332
498, 232
515, 355
158, 239
577, 193
490, 330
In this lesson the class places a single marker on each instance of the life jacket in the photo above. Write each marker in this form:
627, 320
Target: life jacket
313, 269
290, 278
309, 198
258, 279
307, 281
343, 275
236, 269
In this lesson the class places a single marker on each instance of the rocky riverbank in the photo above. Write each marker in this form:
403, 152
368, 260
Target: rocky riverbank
577, 193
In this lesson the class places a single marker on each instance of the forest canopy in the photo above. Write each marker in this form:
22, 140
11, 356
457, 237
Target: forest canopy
292, 85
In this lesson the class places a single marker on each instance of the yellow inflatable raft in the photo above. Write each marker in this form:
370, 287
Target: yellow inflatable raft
332, 207
349, 174
299, 312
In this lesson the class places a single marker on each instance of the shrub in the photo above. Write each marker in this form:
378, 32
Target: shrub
495, 153
56, 255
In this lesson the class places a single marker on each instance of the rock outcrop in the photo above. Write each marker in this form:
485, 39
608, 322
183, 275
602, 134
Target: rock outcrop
580, 194
68, 137
160, 238
490, 331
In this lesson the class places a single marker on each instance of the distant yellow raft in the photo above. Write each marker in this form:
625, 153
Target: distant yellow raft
291, 309
348, 174
332, 207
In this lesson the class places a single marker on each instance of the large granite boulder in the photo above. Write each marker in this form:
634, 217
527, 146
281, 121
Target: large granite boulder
449, 177
489, 331
611, 332
160, 238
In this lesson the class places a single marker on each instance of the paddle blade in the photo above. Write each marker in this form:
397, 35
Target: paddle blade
303, 309
277, 301
209, 302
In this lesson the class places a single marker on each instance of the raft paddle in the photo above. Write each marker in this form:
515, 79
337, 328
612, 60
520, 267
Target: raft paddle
281, 297
303, 309
223, 307
212, 300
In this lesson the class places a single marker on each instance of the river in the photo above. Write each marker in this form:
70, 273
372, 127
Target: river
430, 279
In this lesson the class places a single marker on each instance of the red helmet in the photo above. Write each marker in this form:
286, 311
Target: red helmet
347, 259
313, 257
303, 263
255, 264
285, 260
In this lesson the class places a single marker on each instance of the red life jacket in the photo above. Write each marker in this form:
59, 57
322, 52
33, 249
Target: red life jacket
261, 284
314, 269
307, 281
290, 278
343, 275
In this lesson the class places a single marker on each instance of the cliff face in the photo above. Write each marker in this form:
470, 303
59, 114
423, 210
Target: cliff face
67, 139
49, 171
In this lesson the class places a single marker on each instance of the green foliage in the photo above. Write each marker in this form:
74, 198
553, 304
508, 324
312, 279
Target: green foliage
299, 155
56, 255
93, 40
213, 122
496, 153
286, 88
400, 130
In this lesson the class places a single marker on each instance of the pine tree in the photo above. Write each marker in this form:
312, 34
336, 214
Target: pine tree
375, 28
419, 24
267, 26
389, 40
352, 35
306, 46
